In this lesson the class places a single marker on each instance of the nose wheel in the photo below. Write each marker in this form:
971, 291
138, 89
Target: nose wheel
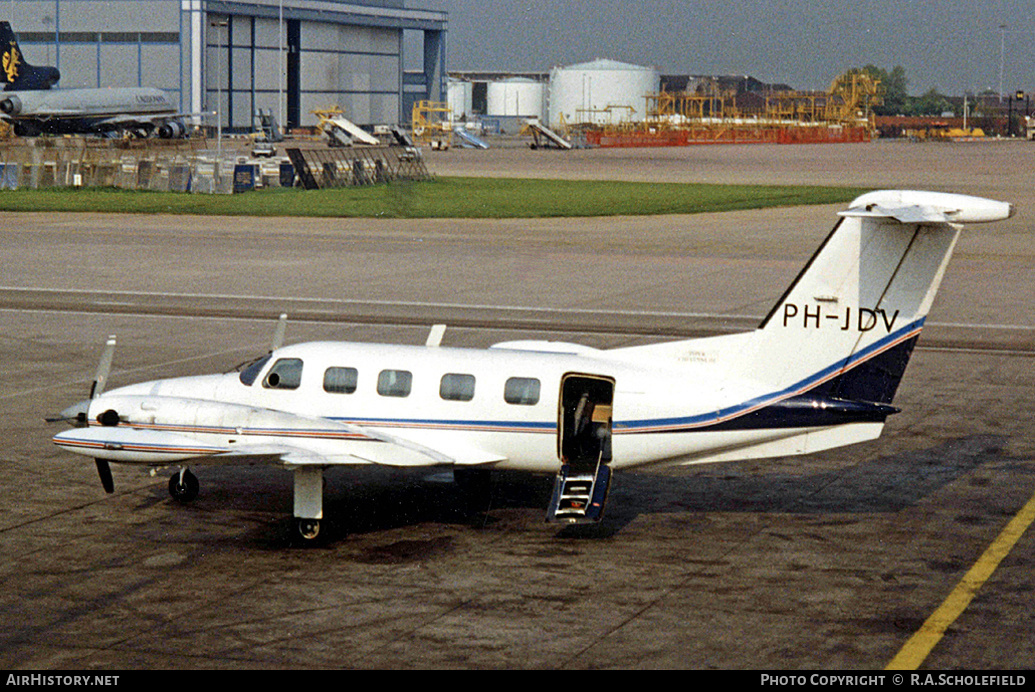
183, 486
308, 529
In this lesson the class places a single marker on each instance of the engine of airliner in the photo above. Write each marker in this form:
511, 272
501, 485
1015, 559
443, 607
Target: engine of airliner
174, 129
12, 105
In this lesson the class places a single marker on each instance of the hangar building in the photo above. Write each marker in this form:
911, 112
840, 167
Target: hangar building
286, 57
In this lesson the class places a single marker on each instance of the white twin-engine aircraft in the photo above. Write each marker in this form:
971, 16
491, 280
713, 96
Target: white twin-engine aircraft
819, 372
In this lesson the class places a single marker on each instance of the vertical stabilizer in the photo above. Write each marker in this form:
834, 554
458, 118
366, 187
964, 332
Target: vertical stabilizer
846, 327
18, 75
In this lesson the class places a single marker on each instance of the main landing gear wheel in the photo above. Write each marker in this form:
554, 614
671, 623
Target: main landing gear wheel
308, 529
183, 486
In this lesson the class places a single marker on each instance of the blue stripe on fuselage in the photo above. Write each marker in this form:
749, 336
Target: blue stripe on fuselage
707, 420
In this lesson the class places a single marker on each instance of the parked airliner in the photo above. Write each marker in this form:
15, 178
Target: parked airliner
33, 108
18, 75
821, 371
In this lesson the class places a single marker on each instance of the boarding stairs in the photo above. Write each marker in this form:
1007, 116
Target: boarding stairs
469, 140
341, 131
401, 138
542, 136
266, 126
579, 493
346, 132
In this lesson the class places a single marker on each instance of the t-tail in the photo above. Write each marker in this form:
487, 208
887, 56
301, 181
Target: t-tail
834, 348
846, 327
17, 74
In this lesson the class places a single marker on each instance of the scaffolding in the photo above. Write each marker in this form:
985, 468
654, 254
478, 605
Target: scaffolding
432, 121
843, 114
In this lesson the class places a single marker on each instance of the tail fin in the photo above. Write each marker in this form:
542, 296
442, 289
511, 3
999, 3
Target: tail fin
846, 327
18, 75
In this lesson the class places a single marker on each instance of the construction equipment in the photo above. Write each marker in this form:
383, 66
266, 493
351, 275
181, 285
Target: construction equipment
433, 123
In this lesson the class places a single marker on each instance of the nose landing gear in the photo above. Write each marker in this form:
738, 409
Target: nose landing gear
308, 529
183, 486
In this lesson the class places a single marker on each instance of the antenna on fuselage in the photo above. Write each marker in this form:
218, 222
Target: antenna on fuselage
435, 336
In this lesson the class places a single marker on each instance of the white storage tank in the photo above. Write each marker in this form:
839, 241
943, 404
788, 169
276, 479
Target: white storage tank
601, 92
460, 96
515, 97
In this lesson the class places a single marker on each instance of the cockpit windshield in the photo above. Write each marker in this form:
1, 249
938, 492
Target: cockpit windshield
251, 369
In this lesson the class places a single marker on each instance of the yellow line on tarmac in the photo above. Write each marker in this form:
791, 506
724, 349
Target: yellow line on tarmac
930, 633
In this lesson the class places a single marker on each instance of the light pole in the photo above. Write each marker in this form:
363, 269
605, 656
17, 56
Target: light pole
1002, 53
219, 88
280, 65
47, 21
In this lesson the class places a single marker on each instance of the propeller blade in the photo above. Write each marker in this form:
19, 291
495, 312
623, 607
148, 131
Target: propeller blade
103, 368
104, 471
278, 334
75, 414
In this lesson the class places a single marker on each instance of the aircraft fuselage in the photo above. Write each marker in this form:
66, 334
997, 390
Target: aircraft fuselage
77, 111
474, 406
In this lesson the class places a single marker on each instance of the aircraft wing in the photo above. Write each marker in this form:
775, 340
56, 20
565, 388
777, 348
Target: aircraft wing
339, 444
128, 120
46, 113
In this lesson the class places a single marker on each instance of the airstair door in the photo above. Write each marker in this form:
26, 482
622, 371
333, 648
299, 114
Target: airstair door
584, 448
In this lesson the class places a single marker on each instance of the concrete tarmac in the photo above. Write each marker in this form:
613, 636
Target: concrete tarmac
830, 561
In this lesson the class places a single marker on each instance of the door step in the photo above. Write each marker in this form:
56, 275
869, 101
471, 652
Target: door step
579, 496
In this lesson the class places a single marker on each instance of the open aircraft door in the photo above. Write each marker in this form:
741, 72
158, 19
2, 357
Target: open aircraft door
584, 447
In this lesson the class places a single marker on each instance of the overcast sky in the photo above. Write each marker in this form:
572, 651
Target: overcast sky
951, 46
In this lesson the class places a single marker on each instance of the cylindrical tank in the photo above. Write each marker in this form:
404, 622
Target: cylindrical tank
515, 97
460, 96
601, 92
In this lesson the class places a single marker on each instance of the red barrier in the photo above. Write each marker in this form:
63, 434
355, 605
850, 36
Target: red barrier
730, 134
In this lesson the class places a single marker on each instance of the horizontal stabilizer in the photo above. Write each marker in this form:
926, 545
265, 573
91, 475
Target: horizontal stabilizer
913, 214
914, 206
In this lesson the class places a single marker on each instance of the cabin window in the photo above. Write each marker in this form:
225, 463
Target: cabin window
456, 387
394, 383
286, 373
250, 371
523, 391
340, 380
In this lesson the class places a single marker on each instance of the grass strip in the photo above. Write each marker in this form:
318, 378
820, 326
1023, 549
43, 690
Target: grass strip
439, 198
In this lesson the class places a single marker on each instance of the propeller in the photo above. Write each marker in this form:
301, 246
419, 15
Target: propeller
100, 380
77, 413
104, 471
278, 334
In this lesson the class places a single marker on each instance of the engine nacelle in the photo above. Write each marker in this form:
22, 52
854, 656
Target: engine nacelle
173, 129
12, 105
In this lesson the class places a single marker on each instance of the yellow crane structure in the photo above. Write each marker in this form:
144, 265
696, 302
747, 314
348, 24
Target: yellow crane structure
432, 121
855, 94
842, 114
